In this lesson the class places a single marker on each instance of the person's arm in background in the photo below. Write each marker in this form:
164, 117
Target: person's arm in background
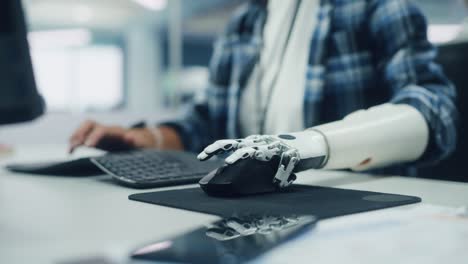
419, 125
96, 135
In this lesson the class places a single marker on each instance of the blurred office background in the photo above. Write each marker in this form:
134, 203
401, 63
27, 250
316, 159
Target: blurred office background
121, 60
136, 55
116, 61
144, 55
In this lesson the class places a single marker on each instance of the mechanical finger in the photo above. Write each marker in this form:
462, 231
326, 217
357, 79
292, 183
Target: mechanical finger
218, 147
266, 152
242, 153
284, 175
251, 143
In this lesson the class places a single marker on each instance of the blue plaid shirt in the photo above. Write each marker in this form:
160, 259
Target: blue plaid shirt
363, 53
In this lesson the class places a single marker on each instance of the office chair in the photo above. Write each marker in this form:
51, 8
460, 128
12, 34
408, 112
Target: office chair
453, 58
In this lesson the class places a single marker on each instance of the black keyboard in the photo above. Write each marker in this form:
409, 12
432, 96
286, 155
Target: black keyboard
152, 168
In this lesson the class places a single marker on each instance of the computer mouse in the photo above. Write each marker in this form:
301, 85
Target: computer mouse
245, 177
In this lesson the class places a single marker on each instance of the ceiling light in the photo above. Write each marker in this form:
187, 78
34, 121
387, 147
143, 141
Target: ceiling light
155, 5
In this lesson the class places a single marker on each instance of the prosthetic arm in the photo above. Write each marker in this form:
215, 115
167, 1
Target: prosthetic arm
365, 139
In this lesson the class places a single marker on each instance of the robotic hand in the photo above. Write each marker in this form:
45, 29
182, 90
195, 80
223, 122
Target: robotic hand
296, 152
366, 139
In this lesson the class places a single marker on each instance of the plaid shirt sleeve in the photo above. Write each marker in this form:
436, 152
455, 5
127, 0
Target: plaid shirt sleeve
407, 65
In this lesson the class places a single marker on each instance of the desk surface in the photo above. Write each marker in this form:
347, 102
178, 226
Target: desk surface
51, 219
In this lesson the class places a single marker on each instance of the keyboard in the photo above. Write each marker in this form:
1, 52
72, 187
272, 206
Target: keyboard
152, 168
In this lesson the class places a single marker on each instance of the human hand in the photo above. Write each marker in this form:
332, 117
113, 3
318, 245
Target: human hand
111, 138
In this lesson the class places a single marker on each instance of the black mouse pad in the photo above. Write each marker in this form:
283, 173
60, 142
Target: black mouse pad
322, 202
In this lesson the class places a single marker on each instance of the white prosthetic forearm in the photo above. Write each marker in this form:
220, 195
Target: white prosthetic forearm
377, 137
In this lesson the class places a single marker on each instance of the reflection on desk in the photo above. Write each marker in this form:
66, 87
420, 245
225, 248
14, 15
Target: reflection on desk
231, 240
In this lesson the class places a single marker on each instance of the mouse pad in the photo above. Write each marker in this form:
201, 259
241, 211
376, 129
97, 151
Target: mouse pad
322, 202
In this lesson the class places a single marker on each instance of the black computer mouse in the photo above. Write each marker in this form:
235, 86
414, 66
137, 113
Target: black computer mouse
245, 177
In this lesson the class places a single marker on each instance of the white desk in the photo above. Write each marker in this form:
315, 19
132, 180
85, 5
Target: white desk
51, 219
